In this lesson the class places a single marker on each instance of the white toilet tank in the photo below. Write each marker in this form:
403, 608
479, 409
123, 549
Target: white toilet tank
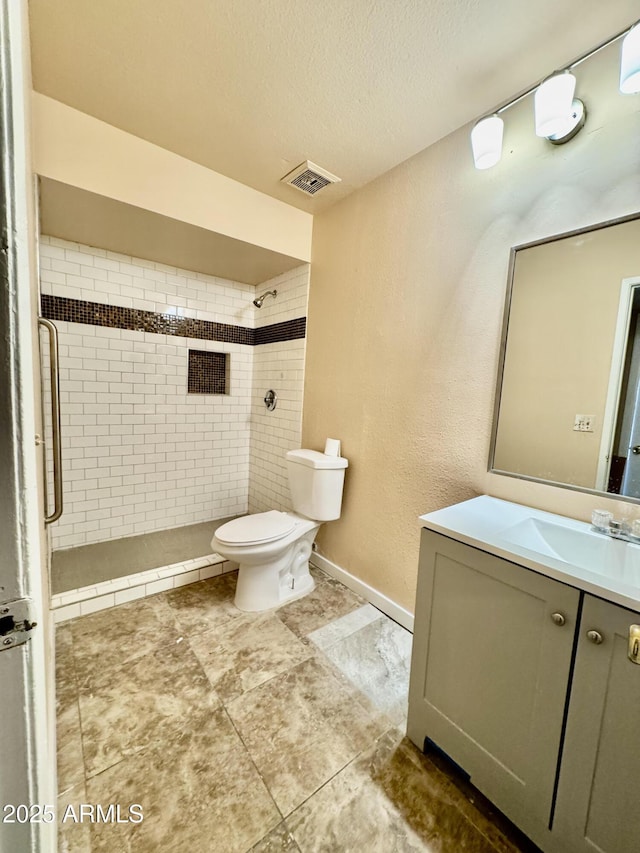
316, 482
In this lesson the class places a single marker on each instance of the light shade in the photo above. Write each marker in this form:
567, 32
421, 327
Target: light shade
553, 105
630, 62
486, 142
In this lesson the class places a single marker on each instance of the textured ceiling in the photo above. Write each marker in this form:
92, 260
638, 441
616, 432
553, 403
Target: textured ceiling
250, 88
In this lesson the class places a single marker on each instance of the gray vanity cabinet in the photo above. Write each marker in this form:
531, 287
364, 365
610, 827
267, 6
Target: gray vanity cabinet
490, 667
598, 805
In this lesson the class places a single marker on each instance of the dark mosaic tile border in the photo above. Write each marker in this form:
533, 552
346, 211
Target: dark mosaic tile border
286, 331
135, 320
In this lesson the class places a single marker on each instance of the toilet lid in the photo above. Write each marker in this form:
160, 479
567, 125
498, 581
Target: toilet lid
256, 528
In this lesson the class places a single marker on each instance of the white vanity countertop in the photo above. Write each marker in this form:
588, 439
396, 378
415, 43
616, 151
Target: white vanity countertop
562, 548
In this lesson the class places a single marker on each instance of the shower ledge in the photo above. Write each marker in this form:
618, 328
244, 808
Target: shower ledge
100, 596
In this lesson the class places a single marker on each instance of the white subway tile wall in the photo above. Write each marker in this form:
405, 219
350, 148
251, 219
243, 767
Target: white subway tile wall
278, 366
139, 454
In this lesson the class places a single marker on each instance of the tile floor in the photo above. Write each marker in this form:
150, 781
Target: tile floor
239, 733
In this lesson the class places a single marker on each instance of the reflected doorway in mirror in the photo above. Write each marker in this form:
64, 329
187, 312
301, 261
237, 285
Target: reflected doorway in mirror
619, 468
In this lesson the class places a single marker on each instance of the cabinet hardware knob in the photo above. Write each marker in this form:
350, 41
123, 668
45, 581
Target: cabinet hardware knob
595, 637
558, 618
634, 643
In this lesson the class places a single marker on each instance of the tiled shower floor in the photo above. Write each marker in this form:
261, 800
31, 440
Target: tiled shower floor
278, 731
72, 568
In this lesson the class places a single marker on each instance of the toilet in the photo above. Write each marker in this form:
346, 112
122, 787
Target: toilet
273, 548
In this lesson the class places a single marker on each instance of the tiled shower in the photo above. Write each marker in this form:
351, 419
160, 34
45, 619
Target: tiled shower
140, 452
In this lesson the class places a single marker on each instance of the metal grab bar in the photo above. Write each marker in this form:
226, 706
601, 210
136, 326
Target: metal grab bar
54, 365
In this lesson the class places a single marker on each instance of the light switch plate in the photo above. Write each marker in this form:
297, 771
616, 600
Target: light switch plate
583, 423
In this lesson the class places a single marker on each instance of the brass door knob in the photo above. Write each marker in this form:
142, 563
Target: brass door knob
558, 618
595, 637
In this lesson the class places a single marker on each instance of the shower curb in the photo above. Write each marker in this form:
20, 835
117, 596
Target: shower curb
101, 596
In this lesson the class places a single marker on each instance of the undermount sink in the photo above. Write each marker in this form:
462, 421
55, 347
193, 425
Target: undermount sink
583, 548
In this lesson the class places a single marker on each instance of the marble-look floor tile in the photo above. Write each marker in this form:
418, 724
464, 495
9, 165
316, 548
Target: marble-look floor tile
328, 601
245, 652
302, 727
344, 626
207, 604
73, 837
70, 761
388, 799
503, 835
377, 660
66, 684
64, 647
199, 792
141, 704
110, 638
279, 840
302, 732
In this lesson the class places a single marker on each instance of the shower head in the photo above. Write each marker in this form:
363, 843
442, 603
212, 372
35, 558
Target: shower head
258, 302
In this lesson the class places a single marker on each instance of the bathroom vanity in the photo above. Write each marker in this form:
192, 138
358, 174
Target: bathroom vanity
526, 669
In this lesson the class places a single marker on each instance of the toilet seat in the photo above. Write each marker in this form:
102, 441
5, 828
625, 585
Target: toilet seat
256, 529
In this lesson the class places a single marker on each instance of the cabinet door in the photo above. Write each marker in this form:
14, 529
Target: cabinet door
489, 673
599, 789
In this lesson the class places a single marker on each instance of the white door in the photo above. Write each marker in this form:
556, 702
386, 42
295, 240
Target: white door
27, 743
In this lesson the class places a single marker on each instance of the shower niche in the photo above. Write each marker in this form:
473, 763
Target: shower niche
208, 372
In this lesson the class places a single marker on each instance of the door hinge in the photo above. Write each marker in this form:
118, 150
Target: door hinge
15, 623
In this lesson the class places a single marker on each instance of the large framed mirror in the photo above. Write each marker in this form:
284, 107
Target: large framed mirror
568, 393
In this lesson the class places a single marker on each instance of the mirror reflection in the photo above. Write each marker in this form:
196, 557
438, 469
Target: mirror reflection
569, 396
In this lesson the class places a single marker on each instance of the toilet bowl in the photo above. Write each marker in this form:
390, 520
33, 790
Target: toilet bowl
272, 548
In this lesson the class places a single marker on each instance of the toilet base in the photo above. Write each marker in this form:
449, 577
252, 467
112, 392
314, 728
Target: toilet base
277, 581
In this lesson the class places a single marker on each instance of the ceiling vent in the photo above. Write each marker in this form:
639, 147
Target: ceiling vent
309, 178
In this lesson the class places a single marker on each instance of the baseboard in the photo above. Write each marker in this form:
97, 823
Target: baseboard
394, 611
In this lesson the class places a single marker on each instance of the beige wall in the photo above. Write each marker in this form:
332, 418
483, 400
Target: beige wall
562, 325
405, 313
77, 149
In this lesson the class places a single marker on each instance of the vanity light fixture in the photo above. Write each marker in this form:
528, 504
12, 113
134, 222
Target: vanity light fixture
558, 115
630, 62
486, 141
